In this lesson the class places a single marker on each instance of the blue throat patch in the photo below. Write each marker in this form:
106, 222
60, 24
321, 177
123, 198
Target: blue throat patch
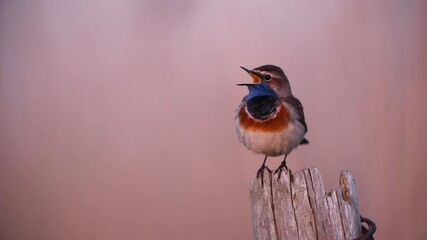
261, 102
261, 89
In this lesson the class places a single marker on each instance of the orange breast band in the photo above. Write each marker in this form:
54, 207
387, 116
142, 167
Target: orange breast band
278, 123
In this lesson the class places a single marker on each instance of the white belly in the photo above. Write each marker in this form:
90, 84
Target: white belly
272, 143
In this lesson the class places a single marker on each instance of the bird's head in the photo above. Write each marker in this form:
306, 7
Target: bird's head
272, 76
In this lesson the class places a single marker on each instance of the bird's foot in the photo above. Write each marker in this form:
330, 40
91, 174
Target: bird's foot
260, 173
280, 169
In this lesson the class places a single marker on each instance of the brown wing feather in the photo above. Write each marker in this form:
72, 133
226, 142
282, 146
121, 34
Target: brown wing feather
296, 104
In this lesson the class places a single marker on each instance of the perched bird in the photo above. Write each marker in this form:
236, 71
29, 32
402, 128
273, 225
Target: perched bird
270, 120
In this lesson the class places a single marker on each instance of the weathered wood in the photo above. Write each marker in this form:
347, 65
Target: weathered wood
262, 209
296, 206
301, 204
335, 215
317, 197
283, 206
349, 206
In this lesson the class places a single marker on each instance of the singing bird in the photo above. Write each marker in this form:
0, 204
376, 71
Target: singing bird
270, 120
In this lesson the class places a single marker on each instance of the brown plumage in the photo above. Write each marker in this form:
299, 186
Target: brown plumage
270, 120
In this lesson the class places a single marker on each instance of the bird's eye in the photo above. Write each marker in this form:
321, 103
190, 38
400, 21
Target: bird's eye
267, 77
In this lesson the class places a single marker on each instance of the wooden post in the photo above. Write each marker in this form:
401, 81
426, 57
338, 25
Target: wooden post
296, 206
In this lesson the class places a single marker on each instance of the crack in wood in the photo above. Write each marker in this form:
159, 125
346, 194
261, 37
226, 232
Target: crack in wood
297, 207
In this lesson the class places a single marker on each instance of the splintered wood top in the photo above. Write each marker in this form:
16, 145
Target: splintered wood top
296, 206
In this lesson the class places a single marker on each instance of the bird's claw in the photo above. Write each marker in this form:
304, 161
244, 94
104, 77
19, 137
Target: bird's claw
280, 169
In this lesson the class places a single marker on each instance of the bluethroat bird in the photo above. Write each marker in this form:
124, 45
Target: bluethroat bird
270, 120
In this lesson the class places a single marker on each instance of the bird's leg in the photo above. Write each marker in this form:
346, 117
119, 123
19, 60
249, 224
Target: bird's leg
260, 171
280, 168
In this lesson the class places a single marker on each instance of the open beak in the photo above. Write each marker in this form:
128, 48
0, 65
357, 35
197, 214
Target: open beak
246, 84
255, 78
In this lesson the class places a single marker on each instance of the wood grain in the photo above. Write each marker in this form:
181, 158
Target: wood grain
296, 206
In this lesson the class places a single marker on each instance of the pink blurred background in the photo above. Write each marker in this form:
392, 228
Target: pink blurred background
117, 117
